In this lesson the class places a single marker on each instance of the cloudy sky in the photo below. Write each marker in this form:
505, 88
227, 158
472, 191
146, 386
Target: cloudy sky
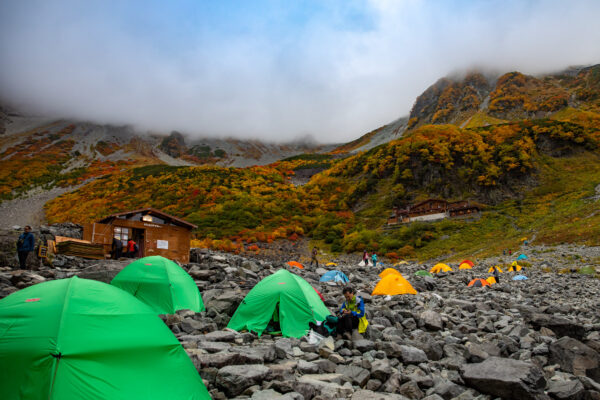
275, 70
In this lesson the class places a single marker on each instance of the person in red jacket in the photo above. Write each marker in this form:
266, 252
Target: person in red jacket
131, 249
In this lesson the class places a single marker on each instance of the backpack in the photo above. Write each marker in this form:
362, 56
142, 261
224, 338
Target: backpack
136, 248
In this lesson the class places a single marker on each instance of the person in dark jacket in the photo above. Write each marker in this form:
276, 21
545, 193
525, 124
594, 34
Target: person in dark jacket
117, 248
25, 245
351, 311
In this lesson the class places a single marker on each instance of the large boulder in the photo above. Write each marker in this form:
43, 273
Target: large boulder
559, 325
575, 357
505, 378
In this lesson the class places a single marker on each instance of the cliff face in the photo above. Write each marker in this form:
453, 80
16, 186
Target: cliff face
450, 101
509, 97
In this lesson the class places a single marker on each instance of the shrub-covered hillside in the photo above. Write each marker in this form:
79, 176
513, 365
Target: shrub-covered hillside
528, 176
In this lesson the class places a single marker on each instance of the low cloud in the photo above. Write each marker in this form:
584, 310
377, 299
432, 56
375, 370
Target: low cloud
333, 75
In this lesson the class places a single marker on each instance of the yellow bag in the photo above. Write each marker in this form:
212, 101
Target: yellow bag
362, 324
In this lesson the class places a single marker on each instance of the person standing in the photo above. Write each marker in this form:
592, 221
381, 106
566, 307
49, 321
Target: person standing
496, 274
314, 257
131, 245
365, 258
352, 314
374, 259
25, 245
117, 248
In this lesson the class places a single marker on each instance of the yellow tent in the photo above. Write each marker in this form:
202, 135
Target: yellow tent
491, 280
400, 263
465, 266
331, 264
440, 267
387, 272
491, 270
393, 284
514, 267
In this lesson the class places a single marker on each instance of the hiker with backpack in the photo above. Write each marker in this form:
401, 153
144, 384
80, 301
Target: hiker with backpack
365, 258
25, 245
352, 314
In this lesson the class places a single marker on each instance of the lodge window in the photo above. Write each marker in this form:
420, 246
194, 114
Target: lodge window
121, 234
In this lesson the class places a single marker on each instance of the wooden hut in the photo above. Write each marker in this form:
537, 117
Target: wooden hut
155, 232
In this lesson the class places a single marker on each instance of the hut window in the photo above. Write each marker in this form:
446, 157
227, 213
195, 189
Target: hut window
147, 218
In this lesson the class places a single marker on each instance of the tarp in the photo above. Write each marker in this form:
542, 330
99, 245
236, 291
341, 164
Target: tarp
295, 264
387, 272
298, 302
522, 257
465, 265
400, 263
422, 272
331, 264
519, 278
491, 270
440, 268
393, 284
160, 283
336, 276
83, 339
479, 283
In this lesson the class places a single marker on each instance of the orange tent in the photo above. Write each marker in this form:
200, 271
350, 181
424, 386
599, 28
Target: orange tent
479, 283
388, 271
295, 264
393, 284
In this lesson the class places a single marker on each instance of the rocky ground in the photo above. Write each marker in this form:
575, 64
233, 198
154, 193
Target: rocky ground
534, 339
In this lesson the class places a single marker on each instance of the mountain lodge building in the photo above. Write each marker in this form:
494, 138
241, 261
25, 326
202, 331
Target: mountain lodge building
432, 210
155, 232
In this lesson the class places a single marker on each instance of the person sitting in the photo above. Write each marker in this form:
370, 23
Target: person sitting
352, 314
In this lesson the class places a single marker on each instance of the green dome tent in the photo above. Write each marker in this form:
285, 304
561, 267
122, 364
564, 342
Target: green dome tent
82, 339
160, 283
298, 302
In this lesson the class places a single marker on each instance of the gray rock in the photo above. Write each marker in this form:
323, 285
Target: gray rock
370, 395
221, 336
412, 355
566, 390
234, 379
411, 390
575, 357
559, 325
432, 320
355, 374
505, 378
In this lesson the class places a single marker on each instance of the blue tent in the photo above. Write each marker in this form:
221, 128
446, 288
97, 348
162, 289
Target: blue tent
336, 276
522, 257
519, 278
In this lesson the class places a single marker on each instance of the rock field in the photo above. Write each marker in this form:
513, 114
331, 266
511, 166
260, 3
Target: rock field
533, 339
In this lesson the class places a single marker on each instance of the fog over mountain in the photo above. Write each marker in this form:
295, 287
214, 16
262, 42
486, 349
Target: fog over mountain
270, 69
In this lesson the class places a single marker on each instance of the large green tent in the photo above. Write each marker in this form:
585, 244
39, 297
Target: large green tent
160, 283
82, 339
298, 302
